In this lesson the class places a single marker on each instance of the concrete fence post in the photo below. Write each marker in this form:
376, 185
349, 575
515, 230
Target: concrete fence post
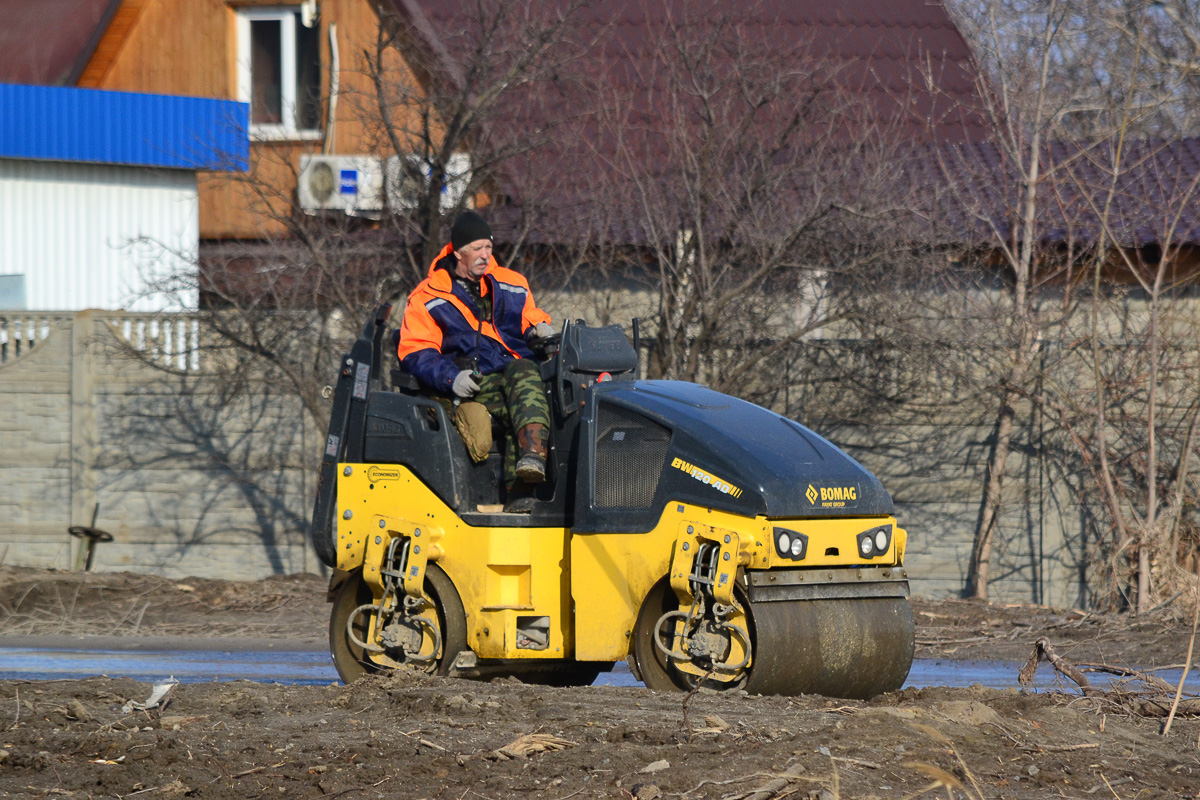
84, 436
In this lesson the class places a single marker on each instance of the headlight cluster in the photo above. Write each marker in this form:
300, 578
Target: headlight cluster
874, 542
791, 544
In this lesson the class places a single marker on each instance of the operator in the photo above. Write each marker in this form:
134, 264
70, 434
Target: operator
468, 332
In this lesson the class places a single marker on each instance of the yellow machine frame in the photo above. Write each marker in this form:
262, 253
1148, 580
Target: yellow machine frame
591, 586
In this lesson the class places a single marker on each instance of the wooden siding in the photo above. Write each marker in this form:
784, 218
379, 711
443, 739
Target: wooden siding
111, 44
173, 48
189, 47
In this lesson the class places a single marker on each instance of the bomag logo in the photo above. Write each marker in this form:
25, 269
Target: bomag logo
832, 496
706, 478
377, 474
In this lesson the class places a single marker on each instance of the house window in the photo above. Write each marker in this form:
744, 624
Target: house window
12, 292
279, 72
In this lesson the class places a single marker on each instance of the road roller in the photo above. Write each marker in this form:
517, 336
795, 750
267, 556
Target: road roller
707, 541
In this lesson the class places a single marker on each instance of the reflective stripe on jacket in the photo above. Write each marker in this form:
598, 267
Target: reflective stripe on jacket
442, 334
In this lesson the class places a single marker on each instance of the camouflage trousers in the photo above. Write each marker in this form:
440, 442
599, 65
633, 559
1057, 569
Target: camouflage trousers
516, 397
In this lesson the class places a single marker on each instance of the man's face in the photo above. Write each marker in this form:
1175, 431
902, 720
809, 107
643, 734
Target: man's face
473, 259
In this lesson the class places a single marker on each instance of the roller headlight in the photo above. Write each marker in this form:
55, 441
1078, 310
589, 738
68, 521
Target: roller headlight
874, 542
790, 544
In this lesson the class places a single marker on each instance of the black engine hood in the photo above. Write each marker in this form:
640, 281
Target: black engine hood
723, 453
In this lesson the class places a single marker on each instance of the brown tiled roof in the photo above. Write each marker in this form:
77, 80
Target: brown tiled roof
1152, 194
49, 42
882, 49
898, 64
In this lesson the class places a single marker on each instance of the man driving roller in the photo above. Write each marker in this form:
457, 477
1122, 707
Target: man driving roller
468, 332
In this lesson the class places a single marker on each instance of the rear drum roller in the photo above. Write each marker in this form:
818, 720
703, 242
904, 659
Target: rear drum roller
655, 669
351, 659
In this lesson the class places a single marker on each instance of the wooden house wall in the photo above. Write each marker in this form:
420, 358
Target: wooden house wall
189, 47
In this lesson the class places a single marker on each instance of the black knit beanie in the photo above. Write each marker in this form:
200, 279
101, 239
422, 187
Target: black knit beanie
469, 227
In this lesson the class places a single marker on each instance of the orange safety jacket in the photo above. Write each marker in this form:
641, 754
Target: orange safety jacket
442, 334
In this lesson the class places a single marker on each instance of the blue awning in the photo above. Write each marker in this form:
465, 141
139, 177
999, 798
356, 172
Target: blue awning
53, 123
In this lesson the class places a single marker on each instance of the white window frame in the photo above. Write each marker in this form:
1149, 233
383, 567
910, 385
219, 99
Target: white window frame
286, 17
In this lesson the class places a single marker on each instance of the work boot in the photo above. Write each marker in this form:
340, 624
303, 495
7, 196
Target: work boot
532, 450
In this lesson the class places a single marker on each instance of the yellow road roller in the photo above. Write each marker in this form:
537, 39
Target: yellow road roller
703, 539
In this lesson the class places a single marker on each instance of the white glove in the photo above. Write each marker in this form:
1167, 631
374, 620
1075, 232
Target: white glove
464, 385
543, 330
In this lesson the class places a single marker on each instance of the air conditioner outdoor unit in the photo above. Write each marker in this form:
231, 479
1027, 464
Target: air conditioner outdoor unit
406, 191
350, 184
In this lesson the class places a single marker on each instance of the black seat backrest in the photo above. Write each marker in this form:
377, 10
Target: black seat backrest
402, 380
597, 350
588, 353
417, 432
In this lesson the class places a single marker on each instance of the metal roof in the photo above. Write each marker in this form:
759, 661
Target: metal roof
49, 42
898, 70
1150, 196
67, 124
904, 60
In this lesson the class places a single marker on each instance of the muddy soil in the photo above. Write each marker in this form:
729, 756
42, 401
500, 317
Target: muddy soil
414, 736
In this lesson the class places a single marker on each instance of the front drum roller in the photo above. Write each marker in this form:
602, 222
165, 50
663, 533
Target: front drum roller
350, 658
854, 648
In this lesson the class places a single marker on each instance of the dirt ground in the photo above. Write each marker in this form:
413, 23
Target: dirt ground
413, 736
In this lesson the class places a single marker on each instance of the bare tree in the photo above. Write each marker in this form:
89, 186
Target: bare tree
1160, 43
1026, 108
277, 312
282, 308
1142, 336
458, 115
1059, 109
747, 199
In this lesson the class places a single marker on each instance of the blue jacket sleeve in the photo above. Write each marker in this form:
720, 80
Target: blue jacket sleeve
431, 368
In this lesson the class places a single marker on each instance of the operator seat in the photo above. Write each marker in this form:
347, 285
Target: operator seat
487, 477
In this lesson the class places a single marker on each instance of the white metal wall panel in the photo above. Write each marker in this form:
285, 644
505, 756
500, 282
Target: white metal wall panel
98, 235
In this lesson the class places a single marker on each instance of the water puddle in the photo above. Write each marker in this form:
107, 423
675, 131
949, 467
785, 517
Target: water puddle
295, 667
309, 668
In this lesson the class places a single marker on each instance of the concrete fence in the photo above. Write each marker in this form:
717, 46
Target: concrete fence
190, 484
184, 488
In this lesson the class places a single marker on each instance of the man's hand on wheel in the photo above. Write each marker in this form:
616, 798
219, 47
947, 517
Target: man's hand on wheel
542, 340
464, 385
